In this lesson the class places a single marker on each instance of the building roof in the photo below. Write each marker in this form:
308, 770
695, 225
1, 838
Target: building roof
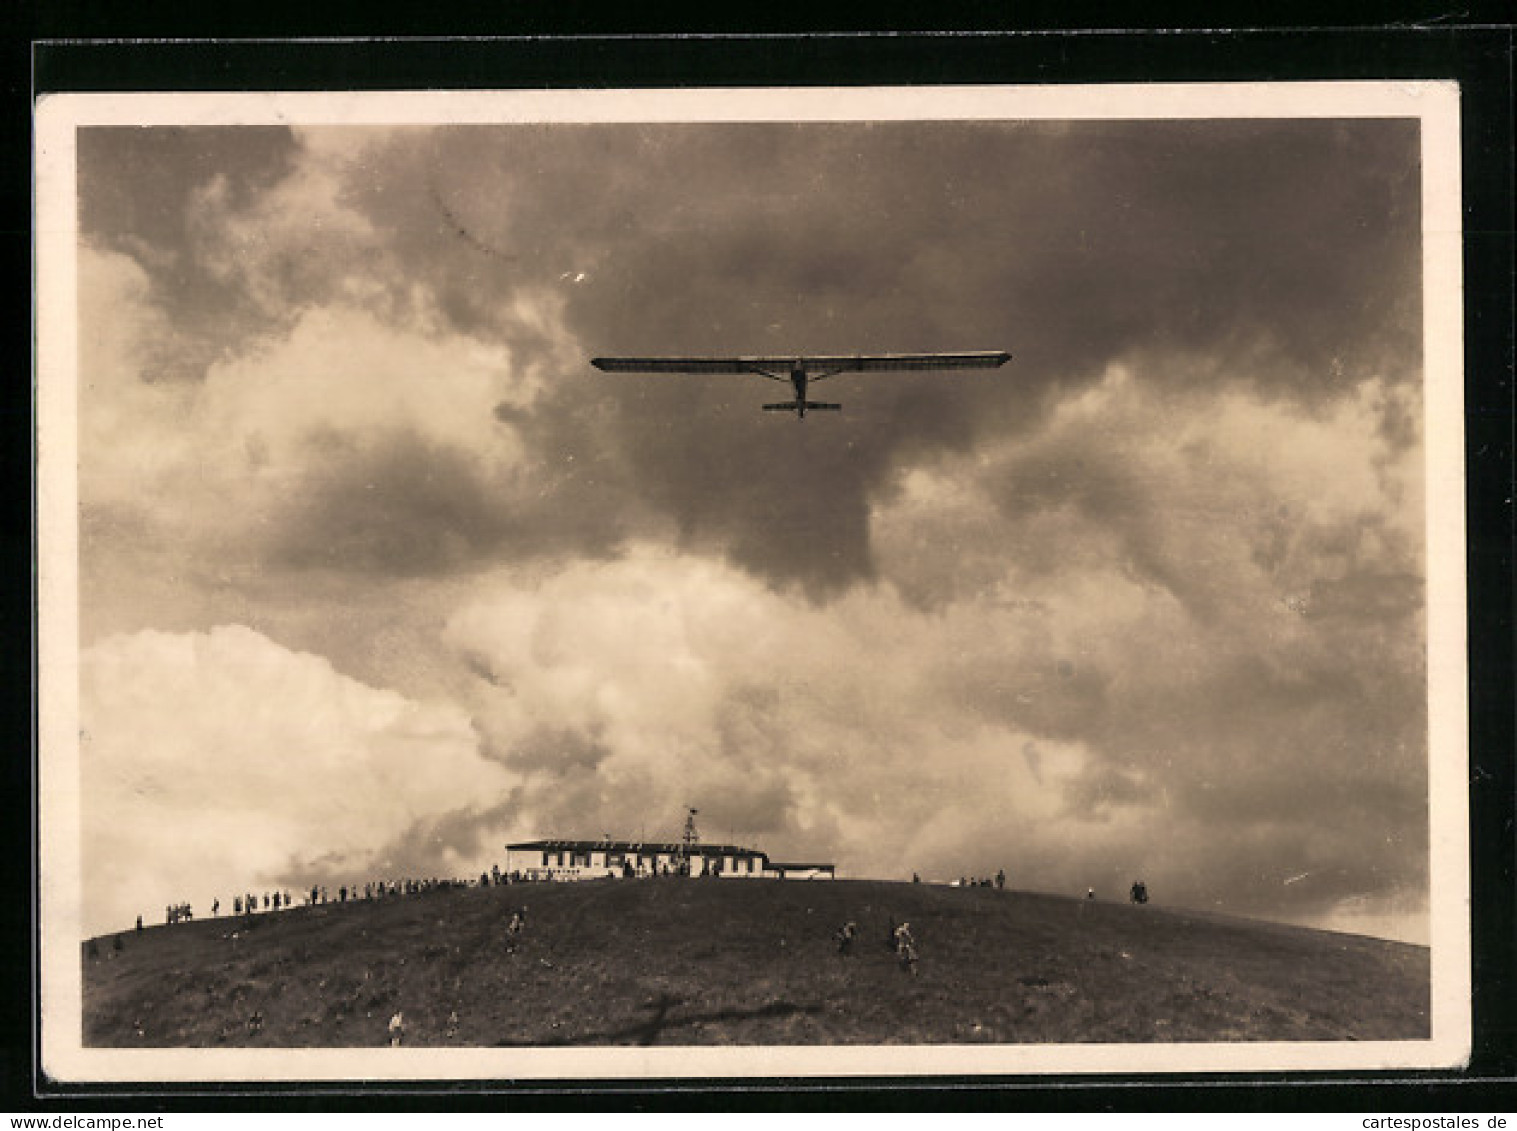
666, 847
670, 847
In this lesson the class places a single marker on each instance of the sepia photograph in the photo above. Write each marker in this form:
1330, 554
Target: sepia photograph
791, 582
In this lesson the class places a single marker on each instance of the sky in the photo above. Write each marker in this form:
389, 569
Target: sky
378, 574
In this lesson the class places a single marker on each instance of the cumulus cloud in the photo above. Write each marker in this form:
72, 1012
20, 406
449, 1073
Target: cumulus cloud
349, 446
1078, 722
216, 763
624, 691
1171, 243
1147, 598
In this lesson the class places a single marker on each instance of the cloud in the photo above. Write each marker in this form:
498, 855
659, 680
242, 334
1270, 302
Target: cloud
1217, 599
1147, 598
1181, 248
216, 763
349, 446
141, 193
1081, 723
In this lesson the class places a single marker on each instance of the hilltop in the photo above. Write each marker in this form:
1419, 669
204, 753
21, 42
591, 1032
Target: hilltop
690, 961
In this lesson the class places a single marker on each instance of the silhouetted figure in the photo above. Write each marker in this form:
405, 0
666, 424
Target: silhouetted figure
215, 907
1139, 892
515, 926
139, 922
844, 938
906, 949
1001, 879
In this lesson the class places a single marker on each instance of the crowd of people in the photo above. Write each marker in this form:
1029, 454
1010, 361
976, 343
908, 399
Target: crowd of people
495, 877
252, 903
999, 883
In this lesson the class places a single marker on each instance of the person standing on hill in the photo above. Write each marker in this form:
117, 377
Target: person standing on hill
1001, 879
844, 938
906, 948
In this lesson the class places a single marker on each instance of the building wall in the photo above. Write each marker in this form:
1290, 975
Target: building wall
799, 873
595, 862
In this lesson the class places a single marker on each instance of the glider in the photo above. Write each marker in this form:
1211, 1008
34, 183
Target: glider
805, 369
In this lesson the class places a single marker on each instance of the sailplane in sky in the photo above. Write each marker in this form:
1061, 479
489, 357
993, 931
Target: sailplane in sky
803, 370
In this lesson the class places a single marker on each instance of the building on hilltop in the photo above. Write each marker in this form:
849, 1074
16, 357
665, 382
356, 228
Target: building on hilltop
594, 859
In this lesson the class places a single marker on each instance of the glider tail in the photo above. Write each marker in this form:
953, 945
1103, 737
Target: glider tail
810, 406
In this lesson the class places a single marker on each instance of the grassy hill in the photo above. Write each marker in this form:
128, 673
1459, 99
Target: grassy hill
688, 961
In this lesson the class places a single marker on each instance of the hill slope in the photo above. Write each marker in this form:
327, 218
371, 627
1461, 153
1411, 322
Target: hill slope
683, 961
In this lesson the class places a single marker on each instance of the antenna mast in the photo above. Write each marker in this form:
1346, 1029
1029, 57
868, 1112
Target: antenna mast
692, 838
